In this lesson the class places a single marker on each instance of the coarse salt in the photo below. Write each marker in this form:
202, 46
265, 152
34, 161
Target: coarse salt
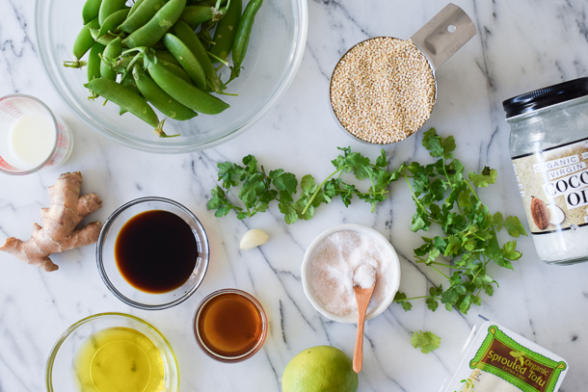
332, 265
364, 276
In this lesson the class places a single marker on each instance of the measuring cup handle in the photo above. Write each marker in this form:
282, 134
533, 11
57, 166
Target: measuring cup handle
444, 34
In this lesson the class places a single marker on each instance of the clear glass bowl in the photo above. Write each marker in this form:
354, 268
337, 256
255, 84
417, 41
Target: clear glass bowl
112, 276
61, 375
237, 358
274, 54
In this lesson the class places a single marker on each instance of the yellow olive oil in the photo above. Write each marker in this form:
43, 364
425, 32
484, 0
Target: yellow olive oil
119, 360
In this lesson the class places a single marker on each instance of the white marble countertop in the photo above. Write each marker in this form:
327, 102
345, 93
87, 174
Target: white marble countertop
520, 46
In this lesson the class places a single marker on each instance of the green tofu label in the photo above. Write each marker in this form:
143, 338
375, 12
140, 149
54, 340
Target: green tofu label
522, 367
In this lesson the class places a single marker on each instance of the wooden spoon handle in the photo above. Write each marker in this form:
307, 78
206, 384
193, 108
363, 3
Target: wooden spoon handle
358, 352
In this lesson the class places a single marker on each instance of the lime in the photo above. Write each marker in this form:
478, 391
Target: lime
319, 369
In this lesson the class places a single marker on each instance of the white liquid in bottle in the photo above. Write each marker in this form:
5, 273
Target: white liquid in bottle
32, 139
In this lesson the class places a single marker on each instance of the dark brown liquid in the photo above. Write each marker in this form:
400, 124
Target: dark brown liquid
230, 325
156, 251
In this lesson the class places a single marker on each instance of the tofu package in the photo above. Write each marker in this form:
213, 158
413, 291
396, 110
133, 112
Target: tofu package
499, 360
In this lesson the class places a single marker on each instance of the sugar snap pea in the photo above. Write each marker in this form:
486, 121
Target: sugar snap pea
94, 61
242, 35
90, 10
186, 59
113, 21
136, 4
130, 84
188, 37
212, 3
224, 34
166, 56
123, 64
159, 98
183, 92
163, 51
194, 15
111, 52
84, 40
141, 15
199, 14
173, 66
103, 39
125, 98
128, 101
157, 26
205, 37
107, 7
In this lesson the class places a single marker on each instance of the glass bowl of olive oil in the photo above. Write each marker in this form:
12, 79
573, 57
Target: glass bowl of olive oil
111, 352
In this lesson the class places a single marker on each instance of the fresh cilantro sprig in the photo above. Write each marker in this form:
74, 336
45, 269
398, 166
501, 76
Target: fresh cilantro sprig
426, 341
258, 188
444, 196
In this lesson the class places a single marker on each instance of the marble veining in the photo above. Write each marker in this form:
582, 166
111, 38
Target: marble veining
520, 46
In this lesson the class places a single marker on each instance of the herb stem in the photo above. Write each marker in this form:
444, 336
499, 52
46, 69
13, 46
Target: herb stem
472, 189
439, 271
440, 264
316, 192
413, 195
413, 298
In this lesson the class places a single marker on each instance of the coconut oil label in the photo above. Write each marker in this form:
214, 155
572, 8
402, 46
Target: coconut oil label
554, 187
503, 361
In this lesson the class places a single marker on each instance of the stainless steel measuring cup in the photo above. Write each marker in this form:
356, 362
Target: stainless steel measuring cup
437, 40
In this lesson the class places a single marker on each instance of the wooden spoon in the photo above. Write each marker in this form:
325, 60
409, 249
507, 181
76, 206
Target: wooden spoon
363, 297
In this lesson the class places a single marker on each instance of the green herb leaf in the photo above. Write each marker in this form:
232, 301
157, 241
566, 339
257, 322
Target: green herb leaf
510, 252
438, 146
401, 298
426, 341
444, 199
284, 181
485, 178
514, 226
230, 174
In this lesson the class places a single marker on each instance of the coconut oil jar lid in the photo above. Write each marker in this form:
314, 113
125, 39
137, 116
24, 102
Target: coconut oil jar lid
545, 97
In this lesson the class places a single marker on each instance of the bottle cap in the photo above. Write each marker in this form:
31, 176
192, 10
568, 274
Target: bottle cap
546, 96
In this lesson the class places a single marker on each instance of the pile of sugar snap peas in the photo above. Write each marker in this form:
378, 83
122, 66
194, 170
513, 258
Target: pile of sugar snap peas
164, 53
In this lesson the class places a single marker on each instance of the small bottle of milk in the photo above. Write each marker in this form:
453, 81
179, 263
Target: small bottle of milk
30, 136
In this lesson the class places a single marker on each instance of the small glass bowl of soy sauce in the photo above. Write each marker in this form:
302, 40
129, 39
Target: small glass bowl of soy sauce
152, 253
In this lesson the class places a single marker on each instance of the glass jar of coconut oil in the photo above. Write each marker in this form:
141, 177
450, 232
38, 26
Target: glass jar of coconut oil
549, 150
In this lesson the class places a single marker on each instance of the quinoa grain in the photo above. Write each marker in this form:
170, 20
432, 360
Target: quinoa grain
383, 90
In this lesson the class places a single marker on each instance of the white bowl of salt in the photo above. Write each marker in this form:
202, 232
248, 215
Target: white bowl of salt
331, 261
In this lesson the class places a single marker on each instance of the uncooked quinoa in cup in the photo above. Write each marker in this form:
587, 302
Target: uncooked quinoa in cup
383, 90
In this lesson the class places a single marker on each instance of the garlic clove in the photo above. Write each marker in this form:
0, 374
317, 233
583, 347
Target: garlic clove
253, 238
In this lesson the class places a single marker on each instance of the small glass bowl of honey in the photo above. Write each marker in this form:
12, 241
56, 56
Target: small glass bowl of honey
230, 325
152, 253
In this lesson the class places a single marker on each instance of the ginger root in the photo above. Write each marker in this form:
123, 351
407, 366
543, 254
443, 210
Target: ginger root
58, 231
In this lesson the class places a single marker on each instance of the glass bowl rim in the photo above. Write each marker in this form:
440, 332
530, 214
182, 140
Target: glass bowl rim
53, 118
89, 319
254, 349
300, 33
102, 239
